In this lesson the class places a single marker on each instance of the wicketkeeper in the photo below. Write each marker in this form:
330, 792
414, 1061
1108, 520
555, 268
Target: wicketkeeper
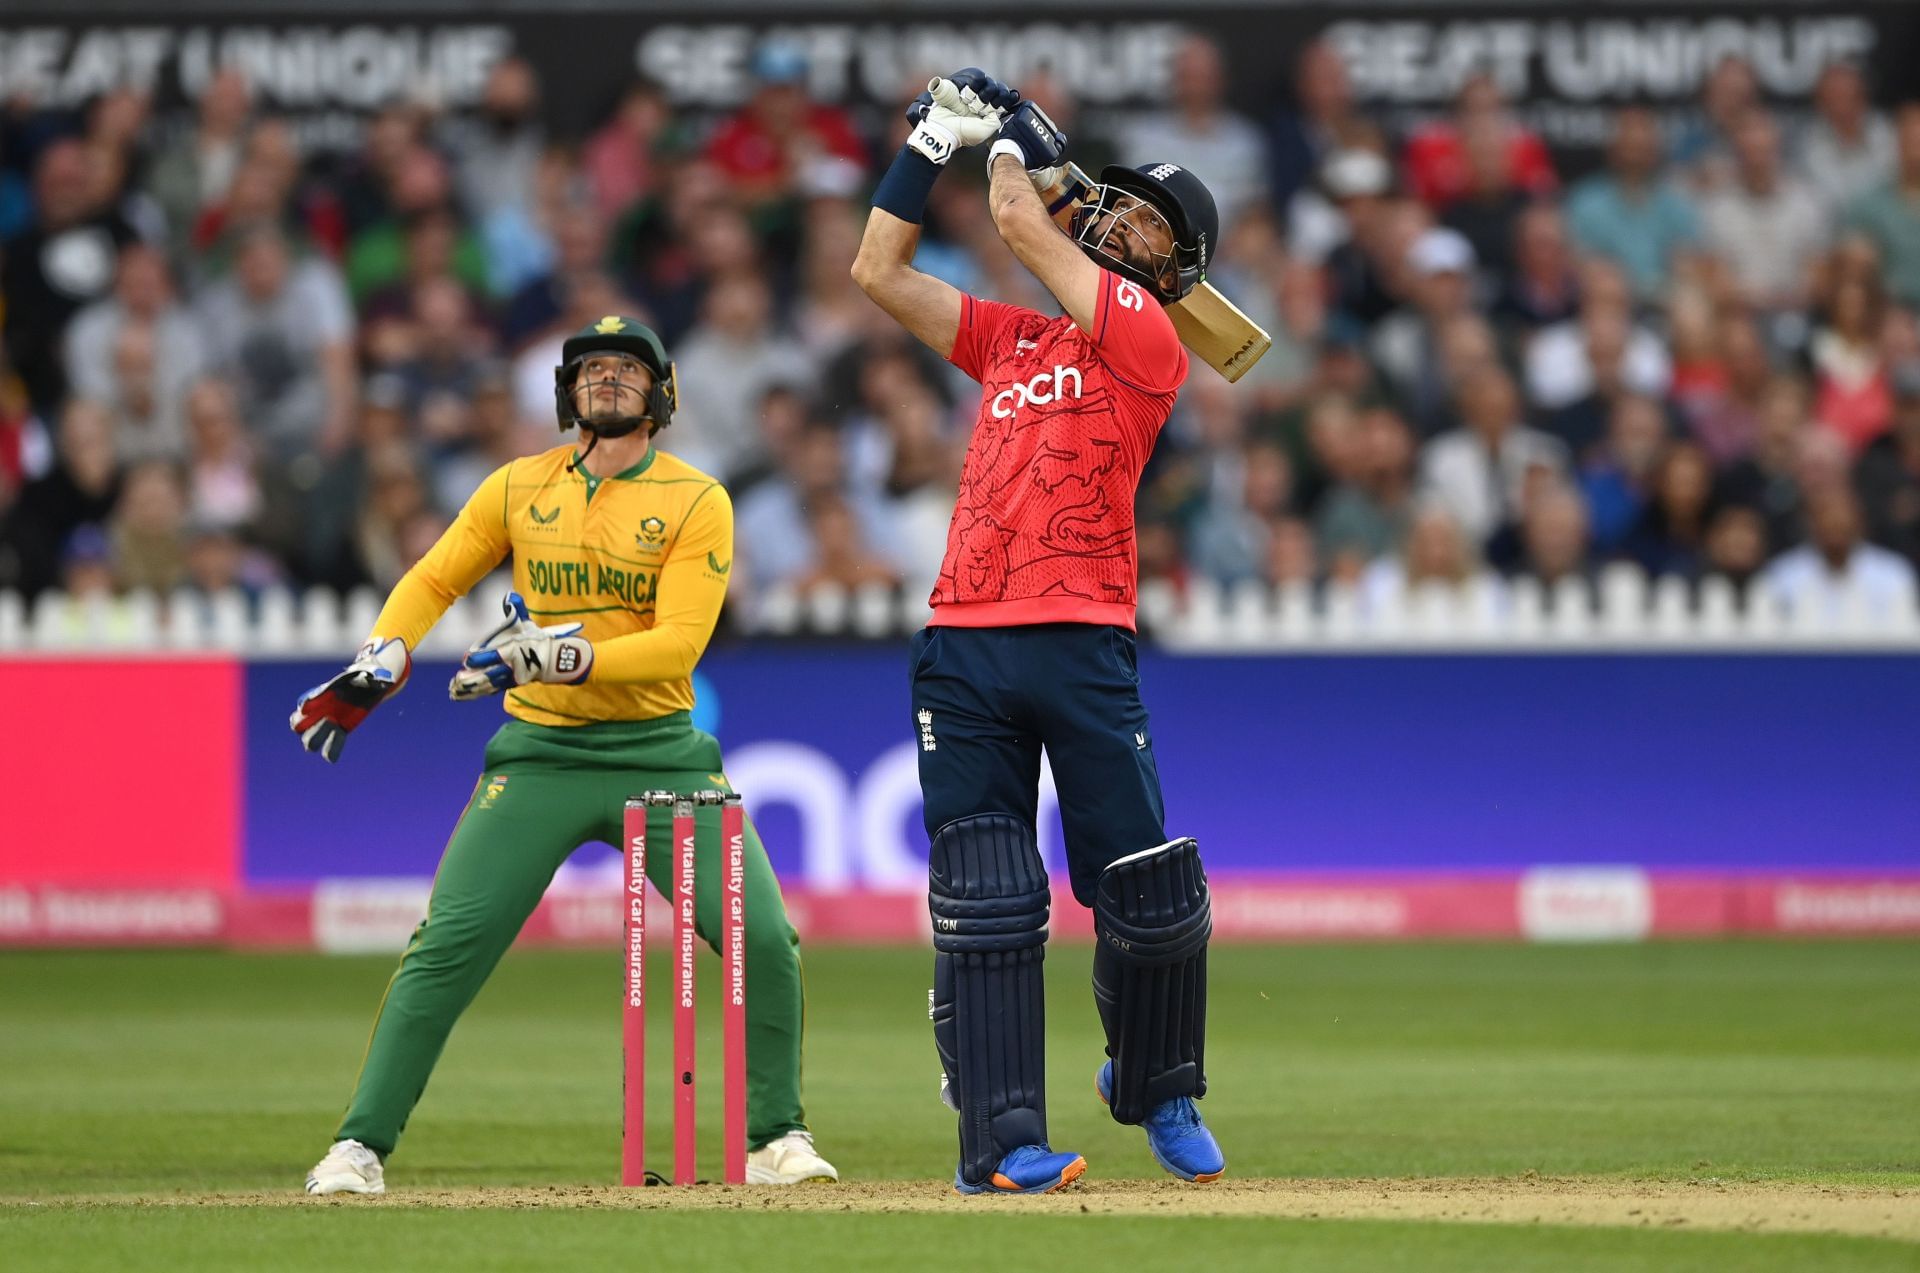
1031, 643
621, 555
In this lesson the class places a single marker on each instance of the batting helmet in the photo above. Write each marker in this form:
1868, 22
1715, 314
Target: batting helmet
614, 334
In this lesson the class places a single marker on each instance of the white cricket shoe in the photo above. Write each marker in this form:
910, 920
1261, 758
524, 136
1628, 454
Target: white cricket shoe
788, 1160
349, 1167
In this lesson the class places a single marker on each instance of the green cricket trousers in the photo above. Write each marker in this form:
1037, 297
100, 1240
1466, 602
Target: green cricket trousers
546, 791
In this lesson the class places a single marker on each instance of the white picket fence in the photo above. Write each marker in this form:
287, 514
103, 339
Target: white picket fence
1623, 609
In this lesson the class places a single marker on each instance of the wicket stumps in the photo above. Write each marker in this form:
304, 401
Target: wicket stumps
733, 955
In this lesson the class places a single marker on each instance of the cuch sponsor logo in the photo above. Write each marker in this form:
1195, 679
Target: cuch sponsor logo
1046, 387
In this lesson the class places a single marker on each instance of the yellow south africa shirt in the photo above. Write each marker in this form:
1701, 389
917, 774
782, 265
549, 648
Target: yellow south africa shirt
640, 558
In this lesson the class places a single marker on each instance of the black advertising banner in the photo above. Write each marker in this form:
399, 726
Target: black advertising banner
1569, 67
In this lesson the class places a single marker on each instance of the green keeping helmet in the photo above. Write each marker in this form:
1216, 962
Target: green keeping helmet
614, 334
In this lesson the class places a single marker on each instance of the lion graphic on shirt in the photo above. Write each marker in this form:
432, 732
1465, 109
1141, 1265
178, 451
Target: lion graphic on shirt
983, 565
1053, 467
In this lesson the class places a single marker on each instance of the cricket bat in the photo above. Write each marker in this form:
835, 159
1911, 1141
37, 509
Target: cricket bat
1211, 327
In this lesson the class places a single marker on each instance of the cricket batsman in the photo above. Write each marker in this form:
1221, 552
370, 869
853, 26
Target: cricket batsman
1031, 643
621, 553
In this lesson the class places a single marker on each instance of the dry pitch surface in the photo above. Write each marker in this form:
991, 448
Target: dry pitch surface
1706, 1205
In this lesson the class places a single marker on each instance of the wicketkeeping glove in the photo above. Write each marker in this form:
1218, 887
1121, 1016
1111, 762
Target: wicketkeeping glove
326, 714
519, 652
951, 114
1031, 137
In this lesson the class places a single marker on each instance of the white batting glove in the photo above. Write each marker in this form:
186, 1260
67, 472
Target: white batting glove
520, 652
956, 118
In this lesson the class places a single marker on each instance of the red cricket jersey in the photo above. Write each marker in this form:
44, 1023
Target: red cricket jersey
1042, 530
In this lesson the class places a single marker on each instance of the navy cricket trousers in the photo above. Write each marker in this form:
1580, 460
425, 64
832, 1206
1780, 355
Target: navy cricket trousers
986, 700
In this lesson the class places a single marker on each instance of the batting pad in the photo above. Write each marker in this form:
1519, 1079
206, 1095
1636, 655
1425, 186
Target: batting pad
1151, 920
987, 891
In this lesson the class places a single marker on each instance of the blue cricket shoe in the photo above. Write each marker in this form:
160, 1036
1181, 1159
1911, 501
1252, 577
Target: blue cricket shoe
1179, 1140
1028, 1169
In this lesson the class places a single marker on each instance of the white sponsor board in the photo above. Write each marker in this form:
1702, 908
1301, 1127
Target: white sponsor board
362, 917
1585, 903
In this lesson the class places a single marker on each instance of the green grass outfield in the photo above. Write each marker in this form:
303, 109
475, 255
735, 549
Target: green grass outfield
1727, 1086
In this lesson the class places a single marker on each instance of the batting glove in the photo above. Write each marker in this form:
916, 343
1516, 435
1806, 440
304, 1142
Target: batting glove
520, 652
979, 92
1031, 137
326, 714
953, 117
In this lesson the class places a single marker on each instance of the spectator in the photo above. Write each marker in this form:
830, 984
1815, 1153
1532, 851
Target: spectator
196, 170
217, 562
619, 159
843, 556
451, 361
1478, 470
1768, 228
1850, 390
496, 152
81, 490
831, 309
1671, 537
1705, 149
495, 436
1767, 479
419, 189
1292, 560
282, 332
1618, 476
1632, 214
1406, 344
1361, 268
137, 351
773, 532
1560, 359
1200, 133
580, 248
367, 181
223, 480
1542, 287
923, 474
1439, 555
1439, 158
1847, 148
726, 364
61, 263
149, 548
266, 190
1321, 118
86, 577
1835, 571
762, 150
1888, 475
1736, 547
1720, 373
390, 316
1582, 423
397, 498
1367, 516
1229, 541
1488, 209
1889, 215
1554, 535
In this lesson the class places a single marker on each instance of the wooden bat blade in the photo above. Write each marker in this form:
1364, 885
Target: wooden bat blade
1215, 331
1211, 327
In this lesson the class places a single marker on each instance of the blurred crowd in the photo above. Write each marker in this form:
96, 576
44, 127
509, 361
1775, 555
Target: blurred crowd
228, 364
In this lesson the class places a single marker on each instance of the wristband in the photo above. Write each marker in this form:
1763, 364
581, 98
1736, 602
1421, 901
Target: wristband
903, 191
1006, 146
